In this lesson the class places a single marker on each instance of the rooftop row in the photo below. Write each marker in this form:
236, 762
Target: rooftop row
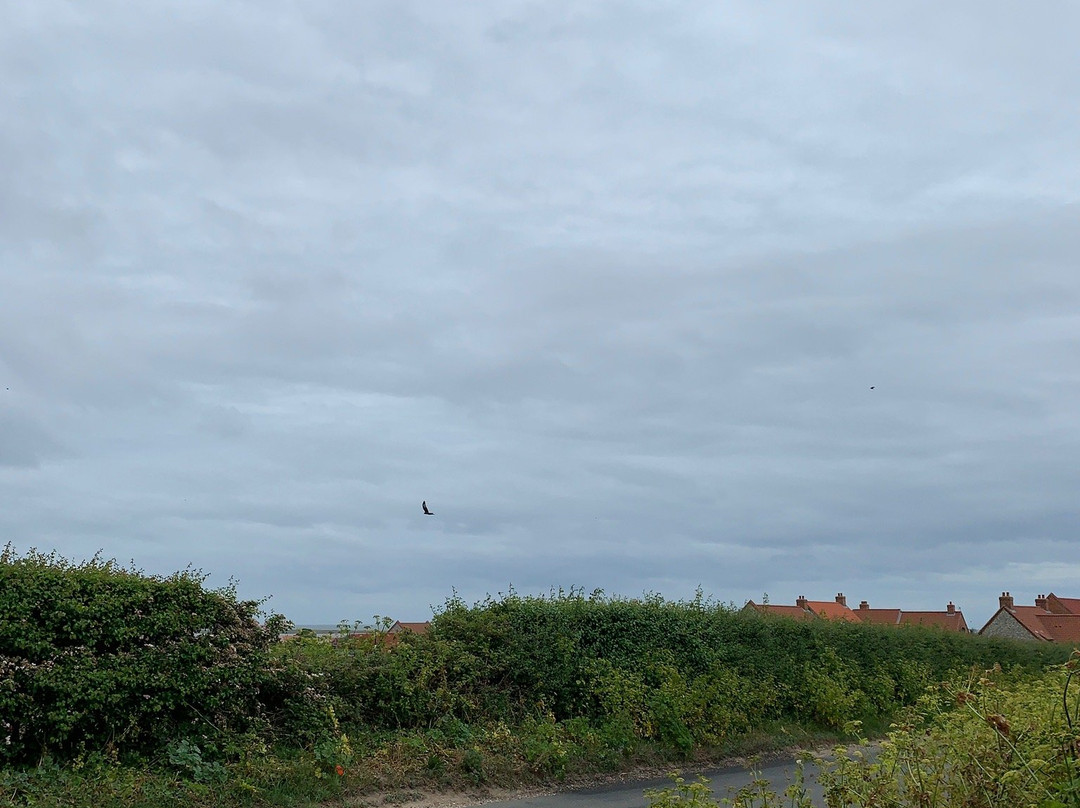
1051, 619
952, 619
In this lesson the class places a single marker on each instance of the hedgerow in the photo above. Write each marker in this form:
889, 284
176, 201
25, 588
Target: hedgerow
96, 656
700, 664
101, 664
679, 675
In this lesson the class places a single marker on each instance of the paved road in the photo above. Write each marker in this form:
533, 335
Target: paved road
724, 782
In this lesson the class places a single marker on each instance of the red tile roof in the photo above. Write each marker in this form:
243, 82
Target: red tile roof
814, 608
1061, 627
796, 612
415, 628
951, 621
1071, 605
832, 610
882, 617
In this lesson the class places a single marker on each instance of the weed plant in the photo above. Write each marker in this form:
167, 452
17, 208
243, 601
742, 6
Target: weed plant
987, 740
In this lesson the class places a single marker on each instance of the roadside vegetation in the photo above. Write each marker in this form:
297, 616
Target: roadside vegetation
119, 688
985, 740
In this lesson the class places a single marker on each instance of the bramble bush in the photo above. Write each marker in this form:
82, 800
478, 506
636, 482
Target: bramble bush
94, 656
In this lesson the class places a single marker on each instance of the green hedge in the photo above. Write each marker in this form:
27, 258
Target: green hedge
94, 656
677, 673
98, 658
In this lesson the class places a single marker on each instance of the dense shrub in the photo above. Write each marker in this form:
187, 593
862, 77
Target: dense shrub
716, 671
678, 675
95, 656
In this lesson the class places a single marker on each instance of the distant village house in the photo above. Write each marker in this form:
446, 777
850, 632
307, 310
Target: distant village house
952, 619
1051, 619
416, 628
806, 609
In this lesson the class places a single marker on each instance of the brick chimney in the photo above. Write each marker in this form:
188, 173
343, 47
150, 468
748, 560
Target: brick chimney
864, 605
951, 608
801, 601
841, 599
1005, 601
1040, 602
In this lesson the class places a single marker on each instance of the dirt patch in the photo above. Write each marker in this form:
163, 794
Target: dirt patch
423, 798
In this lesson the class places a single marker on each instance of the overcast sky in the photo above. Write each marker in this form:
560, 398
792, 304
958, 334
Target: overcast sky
607, 284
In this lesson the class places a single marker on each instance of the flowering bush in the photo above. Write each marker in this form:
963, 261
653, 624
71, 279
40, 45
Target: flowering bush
95, 656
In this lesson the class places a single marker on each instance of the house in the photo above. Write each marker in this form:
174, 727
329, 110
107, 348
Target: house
798, 612
1059, 605
952, 619
1038, 622
416, 628
880, 617
806, 609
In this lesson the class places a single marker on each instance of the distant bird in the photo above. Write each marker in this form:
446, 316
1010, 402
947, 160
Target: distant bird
871, 387
426, 511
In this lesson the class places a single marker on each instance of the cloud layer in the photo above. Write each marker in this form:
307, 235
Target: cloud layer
608, 286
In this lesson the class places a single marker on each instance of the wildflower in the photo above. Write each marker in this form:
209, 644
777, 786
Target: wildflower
340, 770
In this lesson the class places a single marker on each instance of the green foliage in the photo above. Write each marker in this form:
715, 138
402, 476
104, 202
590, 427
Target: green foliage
987, 741
472, 764
676, 676
187, 758
693, 673
334, 752
682, 794
829, 690
95, 656
102, 666
545, 745
758, 793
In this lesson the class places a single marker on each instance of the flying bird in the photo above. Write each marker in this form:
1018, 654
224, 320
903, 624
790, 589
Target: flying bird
426, 511
871, 387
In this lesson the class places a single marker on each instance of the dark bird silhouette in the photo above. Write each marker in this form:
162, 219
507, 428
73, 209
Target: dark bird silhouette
871, 387
426, 511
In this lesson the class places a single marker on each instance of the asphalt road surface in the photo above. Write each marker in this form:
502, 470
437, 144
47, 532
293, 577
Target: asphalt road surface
723, 781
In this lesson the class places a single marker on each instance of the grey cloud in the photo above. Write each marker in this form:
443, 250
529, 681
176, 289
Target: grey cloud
606, 286
24, 443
